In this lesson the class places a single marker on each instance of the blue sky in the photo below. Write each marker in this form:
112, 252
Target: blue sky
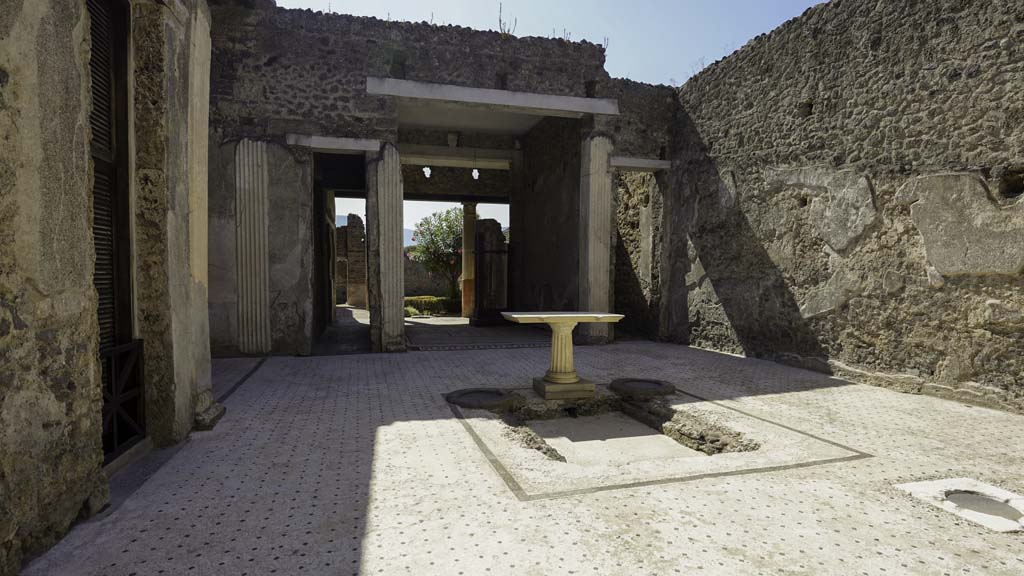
654, 41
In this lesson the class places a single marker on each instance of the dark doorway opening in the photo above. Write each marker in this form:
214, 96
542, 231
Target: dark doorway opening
341, 319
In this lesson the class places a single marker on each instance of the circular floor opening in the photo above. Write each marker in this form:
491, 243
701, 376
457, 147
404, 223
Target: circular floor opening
481, 398
982, 504
641, 388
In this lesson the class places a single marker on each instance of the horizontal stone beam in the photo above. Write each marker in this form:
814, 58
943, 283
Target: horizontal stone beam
524, 102
482, 158
332, 144
639, 164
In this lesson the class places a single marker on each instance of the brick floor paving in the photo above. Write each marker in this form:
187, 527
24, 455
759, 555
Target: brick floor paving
355, 465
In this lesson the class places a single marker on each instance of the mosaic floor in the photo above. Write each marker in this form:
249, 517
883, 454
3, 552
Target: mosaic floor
356, 465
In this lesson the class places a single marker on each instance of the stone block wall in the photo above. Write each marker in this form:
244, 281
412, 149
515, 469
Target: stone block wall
50, 397
638, 217
356, 245
51, 452
172, 53
646, 120
849, 192
341, 265
421, 282
544, 218
280, 70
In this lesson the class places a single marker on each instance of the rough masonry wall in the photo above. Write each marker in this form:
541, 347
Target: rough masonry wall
544, 218
50, 397
638, 217
421, 282
291, 249
277, 71
356, 245
647, 116
169, 44
851, 193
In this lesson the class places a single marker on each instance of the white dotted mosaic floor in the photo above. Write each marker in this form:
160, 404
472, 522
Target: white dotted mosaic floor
355, 465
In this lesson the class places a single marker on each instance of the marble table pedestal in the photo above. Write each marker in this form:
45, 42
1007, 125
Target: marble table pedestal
561, 381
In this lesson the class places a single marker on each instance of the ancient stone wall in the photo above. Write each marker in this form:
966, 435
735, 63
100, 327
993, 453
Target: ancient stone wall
51, 452
544, 215
851, 196
638, 217
646, 119
341, 264
421, 282
290, 240
492, 266
170, 45
356, 244
50, 399
279, 71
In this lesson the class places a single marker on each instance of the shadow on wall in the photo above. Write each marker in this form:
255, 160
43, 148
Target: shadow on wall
641, 312
729, 267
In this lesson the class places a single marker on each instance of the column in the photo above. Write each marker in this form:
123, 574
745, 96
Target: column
562, 370
468, 258
252, 188
384, 254
595, 235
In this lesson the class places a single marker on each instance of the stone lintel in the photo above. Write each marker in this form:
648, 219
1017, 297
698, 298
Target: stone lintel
333, 144
523, 102
639, 164
482, 158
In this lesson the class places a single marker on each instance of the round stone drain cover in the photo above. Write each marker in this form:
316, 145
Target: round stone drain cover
641, 388
983, 504
482, 398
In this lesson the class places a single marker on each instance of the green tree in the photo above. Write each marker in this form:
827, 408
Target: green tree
438, 246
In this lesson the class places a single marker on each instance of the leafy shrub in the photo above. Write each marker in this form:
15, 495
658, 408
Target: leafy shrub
410, 311
435, 305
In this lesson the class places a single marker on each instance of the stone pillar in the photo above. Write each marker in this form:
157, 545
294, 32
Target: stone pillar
341, 265
492, 273
595, 235
468, 258
677, 219
384, 253
356, 245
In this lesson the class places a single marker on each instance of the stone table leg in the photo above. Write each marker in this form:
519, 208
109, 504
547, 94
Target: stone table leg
561, 370
561, 381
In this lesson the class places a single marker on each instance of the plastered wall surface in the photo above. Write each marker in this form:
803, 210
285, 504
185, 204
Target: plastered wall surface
855, 206
50, 400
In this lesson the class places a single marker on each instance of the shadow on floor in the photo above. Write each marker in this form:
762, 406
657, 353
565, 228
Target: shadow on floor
348, 334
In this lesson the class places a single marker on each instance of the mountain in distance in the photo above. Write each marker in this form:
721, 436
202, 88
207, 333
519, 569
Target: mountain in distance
407, 240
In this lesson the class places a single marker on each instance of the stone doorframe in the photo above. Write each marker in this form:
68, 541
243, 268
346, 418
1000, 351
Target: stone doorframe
385, 266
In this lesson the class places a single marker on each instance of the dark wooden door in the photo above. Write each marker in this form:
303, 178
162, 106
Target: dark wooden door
120, 355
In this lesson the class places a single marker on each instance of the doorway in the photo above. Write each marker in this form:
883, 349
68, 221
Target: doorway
340, 301
120, 354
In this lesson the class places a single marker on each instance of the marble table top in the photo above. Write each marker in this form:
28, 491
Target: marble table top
560, 317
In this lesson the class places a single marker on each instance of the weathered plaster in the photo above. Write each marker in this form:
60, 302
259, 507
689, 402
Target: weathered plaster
847, 217
964, 230
50, 397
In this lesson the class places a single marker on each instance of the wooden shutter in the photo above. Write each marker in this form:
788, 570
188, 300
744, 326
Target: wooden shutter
120, 355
